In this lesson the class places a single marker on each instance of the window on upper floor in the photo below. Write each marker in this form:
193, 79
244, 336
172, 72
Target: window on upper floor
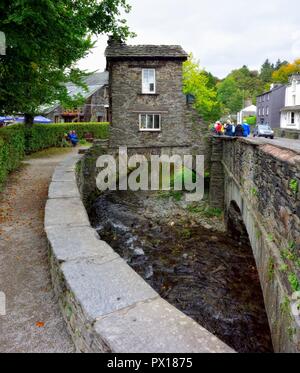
150, 122
294, 100
267, 110
294, 85
148, 81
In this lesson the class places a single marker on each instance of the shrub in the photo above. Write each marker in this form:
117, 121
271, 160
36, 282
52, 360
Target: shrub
250, 120
42, 136
12, 149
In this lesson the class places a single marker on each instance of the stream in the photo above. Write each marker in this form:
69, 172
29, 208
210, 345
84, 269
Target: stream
189, 259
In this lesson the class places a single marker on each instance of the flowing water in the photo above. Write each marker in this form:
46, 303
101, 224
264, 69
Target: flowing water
190, 262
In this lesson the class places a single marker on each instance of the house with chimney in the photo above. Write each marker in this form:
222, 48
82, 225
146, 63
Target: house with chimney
290, 112
148, 108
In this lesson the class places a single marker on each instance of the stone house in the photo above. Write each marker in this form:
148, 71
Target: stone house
290, 113
95, 108
147, 106
269, 105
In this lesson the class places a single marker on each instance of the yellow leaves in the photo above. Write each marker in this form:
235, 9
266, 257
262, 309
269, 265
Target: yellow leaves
34, 66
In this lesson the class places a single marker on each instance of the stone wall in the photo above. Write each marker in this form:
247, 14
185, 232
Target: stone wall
180, 124
288, 134
107, 306
264, 180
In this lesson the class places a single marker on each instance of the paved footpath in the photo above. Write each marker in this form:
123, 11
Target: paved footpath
33, 322
288, 144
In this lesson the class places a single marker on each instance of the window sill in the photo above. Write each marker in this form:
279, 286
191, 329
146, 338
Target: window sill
149, 130
148, 94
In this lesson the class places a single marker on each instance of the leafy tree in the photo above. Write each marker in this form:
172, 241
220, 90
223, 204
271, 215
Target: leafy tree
282, 75
45, 39
266, 71
279, 64
200, 84
230, 96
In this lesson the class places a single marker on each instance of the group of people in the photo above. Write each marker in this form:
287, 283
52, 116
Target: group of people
232, 130
72, 138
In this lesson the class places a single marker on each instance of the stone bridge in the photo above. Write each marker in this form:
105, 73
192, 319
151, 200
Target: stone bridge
260, 181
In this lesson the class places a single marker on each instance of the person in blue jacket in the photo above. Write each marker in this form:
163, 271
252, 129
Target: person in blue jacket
246, 129
73, 138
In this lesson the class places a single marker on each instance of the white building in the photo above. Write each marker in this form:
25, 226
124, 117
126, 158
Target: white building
248, 111
290, 114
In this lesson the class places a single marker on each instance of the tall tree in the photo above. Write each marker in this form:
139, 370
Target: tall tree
266, 71
197, 82
230, 96
282, 75
45, 39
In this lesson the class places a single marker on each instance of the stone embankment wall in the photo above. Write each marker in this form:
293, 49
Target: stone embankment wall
263, 180
107, 306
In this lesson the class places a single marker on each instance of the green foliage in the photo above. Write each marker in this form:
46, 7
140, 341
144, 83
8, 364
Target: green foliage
294, 185
250, 120
12, 148
254, 192
266, 71
175, 195
294, 282
201, 85
42, 136
206, 211
44, 40
230, 96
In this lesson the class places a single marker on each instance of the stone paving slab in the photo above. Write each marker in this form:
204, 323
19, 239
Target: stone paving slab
79, 242
65, 211
155, 326
61, 174
63, 189
105, 288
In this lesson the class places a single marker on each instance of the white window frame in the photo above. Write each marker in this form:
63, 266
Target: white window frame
145, 90
149, 129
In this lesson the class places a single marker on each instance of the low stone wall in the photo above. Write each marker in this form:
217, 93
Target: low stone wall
263, 181
107, 306
287, 133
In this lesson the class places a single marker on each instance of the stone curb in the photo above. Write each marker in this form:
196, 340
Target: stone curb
107, 306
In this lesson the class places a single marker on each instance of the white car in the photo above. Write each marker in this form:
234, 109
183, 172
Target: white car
263, 130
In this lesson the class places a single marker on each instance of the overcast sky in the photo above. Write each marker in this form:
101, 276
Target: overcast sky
223, 35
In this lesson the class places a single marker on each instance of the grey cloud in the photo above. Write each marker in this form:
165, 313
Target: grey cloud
223, 35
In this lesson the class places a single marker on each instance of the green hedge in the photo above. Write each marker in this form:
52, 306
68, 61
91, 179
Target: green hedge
15, 141
42, 136
12, 149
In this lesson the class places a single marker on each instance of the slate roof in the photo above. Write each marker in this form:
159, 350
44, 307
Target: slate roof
116, 50
94, 82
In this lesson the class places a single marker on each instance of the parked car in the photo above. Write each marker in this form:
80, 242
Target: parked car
263, 130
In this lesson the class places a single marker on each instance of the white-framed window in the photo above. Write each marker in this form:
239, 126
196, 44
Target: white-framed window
294, 85
292, 117
267, 110
148, 81
294, 100
150, 122
263, 111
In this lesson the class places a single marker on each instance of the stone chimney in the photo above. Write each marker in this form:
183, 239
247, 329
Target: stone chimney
114, 41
